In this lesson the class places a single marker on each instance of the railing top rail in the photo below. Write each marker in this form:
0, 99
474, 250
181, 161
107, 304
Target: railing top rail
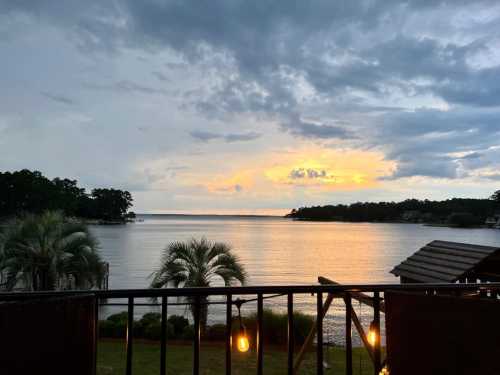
253, 290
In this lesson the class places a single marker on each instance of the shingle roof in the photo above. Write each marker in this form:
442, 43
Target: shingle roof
442, 261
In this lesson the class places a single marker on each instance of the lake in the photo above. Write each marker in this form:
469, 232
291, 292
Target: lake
278, 251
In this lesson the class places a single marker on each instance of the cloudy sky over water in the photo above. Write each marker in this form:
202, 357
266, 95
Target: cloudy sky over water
254, 106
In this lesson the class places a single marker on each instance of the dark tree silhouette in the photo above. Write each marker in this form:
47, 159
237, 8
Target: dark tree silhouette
30, 192
40, 251
197, 263
496, 196
425, 210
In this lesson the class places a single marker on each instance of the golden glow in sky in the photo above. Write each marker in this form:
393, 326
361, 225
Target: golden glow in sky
311, 168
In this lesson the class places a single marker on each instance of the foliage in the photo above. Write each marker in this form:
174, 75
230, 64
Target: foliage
148, 327
27, 191
179, 324
110, 204
496, 196
429, 211
216, 332
178, 327
41, 251
464, 219
276, 325
196, 263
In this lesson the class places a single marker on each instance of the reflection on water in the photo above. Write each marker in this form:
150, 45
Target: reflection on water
278, 251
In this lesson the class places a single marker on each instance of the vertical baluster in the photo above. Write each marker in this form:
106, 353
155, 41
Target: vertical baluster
130, 335
348, 334
319, 333
376, 318
96, 331
163, 337
260, 335
229, 319
196, 340
290, 337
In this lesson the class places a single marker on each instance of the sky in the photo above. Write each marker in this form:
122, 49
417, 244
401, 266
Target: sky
254, 107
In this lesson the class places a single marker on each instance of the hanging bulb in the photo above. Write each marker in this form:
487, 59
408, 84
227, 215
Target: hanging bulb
372, 334
242, 341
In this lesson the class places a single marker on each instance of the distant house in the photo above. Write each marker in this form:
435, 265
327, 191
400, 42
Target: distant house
493, 221
412, 216
450, 262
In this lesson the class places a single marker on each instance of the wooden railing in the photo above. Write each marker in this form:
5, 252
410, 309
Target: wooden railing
371, 295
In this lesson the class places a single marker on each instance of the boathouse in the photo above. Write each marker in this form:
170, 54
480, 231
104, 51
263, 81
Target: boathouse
450, 262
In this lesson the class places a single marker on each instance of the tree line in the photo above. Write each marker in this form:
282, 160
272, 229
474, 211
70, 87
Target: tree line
28, 191
472, 211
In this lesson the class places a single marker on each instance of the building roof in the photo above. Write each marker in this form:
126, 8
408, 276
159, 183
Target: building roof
447, 262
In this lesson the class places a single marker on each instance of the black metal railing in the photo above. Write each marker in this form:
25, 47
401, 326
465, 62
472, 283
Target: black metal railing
371, 294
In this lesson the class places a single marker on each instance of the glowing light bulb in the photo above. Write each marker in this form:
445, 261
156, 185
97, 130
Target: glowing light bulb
372, 334
243, 343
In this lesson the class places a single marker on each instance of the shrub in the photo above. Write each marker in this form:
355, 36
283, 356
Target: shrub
216, 332
153, 331
110, 328
179, 324
275, 327
119, 318
150, 318
187, 333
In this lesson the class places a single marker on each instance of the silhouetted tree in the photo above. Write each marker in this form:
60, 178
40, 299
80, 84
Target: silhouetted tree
111, 204
438, 211
197, 263
30, 192
496, 196
41, 250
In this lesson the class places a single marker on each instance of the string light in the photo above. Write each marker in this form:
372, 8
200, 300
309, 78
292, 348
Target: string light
242, 342
372, 334
384, 371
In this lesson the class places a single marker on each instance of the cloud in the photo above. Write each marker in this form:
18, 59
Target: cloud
126, 86
423, 142
206, 136
310, 173
58, 98
414, 82
160, 76
492, 176
305, 129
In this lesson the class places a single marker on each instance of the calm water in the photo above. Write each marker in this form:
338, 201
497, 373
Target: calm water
279, 251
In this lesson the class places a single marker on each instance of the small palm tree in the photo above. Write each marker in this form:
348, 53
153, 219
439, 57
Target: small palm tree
197, 263
41, 251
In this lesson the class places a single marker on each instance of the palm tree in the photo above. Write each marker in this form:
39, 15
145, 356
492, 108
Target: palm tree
42, 251
197, 263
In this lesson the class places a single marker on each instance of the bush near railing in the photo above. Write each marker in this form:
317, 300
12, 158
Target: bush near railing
178, 327
148, 327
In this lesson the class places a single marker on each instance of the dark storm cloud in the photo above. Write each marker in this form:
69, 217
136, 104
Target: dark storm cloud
306, 129
206, 136
421, 141
351, 57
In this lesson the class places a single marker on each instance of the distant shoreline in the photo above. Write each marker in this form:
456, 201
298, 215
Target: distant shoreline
436, 225
211, 215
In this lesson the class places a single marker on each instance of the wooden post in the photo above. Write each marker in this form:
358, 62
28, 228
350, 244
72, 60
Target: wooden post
377, 349
348, 335
310, 337
361, 297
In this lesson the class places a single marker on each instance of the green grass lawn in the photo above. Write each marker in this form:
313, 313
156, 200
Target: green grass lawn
146, 358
